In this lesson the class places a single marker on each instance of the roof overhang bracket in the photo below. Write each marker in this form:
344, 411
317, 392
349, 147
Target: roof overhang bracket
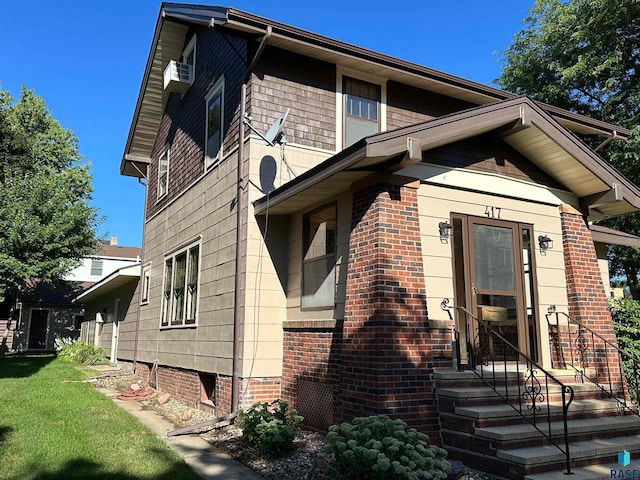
595, 200
524, 121
258, 54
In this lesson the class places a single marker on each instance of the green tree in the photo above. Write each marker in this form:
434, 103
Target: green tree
46, 221
584, 56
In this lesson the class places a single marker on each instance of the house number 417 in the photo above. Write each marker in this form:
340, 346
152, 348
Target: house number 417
492, 212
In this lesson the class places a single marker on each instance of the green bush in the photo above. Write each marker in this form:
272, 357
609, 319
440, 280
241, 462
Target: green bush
626, 321
380, 448
270, 427
81, 353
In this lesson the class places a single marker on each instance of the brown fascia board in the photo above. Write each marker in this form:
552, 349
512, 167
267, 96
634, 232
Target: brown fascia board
613, 237
560, 113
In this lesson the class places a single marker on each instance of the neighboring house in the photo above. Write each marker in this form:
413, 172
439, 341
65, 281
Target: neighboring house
327, 274
48, 312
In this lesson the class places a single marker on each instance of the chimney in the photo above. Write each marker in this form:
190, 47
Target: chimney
113, 241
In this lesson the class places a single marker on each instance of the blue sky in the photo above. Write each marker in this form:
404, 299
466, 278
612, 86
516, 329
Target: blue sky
86, 60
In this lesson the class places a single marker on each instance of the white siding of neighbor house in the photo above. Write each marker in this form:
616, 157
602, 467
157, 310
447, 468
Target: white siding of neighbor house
82, 273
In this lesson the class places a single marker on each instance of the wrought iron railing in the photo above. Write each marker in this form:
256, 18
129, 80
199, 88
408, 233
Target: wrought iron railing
495, 359
595, 358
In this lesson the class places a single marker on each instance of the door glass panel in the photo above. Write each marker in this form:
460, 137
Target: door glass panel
527, 262
494, 260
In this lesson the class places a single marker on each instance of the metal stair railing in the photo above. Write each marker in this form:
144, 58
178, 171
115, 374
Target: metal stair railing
534, 387
590, 354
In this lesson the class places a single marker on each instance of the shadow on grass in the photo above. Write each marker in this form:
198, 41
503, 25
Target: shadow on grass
4, 433
23, 365
82, 469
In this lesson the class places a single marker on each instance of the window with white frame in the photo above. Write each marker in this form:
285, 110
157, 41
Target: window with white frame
214, 128
146, 277
189, 56
163, 172
319, 258
361, 110
180, 287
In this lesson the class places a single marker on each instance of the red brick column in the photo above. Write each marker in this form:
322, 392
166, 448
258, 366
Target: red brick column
586, 294
388, 351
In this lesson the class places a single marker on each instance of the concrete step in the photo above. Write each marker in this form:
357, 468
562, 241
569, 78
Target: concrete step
583, 451
484, 393
602, 407
590, 426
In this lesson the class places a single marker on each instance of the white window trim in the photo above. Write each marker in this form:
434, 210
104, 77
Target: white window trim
191, 47
218, 87
146, 271
172, 254
165, 152
342, 72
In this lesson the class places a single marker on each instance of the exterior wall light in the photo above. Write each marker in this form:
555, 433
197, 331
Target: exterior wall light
545, 243
445, 230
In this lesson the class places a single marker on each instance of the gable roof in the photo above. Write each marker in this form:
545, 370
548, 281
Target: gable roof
521, 122
170, 35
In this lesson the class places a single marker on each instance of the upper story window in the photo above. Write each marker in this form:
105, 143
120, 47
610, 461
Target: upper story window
96, 267
319, 258
361, 106
214, 128
163, 172
189, 56
180, 290
361, 109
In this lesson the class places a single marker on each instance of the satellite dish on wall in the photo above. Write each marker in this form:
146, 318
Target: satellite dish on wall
274, 134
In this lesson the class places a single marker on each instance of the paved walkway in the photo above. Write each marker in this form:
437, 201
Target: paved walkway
206, 460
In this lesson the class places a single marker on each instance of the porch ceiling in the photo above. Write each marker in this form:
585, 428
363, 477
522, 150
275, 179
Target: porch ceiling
520, 122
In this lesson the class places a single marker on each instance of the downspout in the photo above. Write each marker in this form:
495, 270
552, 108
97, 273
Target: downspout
612, 136
141, 281
240, 231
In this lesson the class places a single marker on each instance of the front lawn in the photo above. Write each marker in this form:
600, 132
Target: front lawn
54, 427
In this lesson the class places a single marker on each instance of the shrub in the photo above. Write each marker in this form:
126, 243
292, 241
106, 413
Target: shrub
626, 321
380, 448
81, 353
270, 427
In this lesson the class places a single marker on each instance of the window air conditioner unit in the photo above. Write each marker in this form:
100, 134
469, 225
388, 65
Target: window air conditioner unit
178, 76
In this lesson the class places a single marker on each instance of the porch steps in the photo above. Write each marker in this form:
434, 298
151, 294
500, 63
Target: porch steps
591, 472
477, 426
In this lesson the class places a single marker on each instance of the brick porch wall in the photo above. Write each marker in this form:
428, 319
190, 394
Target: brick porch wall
586, 293
388, 349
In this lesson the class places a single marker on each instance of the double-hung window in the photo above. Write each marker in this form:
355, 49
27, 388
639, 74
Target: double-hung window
163, 172
189, 57
361, 109
96, 267
319, 258
214, 128
180, 290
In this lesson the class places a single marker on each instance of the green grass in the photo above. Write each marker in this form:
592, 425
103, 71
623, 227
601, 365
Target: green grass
53, 427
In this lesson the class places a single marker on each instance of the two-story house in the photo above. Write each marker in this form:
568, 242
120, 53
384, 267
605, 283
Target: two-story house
331, 225
48, 312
